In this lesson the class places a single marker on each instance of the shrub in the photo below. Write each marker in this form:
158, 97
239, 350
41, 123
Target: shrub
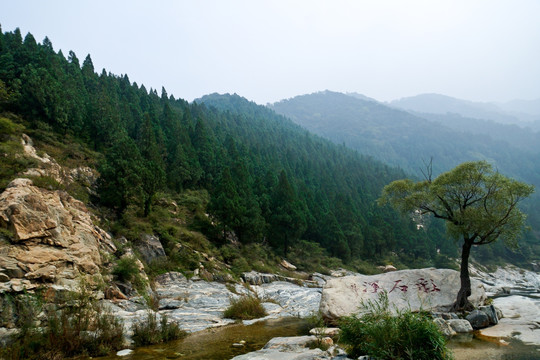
150, 332
83, 327
381, 334
46, 182
246, 307
126, 269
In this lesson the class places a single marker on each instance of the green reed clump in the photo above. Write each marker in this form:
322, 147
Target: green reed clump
398, 335
151, 331
245, 307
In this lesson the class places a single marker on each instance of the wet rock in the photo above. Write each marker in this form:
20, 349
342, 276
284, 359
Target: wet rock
478, 319
491, 314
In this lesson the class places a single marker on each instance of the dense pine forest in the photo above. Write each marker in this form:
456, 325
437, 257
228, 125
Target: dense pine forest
269, 181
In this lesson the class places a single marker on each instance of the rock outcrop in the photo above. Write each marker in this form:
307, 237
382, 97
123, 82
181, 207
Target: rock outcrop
428, 289
54, 239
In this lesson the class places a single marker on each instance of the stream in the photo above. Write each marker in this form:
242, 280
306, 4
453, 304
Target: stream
516, 292
216, 344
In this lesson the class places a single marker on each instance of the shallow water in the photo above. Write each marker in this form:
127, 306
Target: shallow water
216, 344
465, 348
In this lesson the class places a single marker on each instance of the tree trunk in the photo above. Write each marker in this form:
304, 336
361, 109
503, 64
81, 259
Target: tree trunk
462, 301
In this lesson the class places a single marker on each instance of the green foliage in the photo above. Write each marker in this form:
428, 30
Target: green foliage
264, 179
384, 335
245, 307
126, 269
478, 203
46, 182
12, 160
6, 234
151, 331
8, 127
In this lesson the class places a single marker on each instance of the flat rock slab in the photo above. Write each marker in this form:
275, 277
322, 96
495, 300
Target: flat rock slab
428, 289
521, 319
287, 348
197, 305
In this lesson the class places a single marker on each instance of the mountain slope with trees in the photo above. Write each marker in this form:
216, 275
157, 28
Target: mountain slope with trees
408, 141
268, 180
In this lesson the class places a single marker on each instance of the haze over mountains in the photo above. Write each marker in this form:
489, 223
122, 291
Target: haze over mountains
408, 139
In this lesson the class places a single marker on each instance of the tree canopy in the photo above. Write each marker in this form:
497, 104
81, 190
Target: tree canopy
478, 204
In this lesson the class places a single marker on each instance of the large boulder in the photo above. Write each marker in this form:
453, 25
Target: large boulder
478, 319
150, 248
54, 238
428, 289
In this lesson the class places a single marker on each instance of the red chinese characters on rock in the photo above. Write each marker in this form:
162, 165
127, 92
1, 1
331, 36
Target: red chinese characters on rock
374, 286
402, 288
422, 285
425, 286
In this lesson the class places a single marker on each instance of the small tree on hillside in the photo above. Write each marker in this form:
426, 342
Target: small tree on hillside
478, 204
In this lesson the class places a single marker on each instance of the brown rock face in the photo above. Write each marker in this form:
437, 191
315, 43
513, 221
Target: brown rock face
54, 237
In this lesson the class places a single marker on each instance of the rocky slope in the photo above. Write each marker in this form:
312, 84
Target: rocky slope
49, 237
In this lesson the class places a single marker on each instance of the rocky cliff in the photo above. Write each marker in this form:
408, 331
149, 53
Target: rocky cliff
53, 239
48, 237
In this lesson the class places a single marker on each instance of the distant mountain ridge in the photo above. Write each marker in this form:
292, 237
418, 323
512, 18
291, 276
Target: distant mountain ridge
518, 112
395, 136
442, 104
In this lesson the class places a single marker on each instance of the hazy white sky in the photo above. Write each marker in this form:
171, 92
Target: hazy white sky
482, 50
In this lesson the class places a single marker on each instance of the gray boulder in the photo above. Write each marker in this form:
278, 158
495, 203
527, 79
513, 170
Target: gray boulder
150, 248
478, 319
445, 328
491, 313
460, 326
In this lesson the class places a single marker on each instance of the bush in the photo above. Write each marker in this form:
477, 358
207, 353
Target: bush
150, 332
246, 307
126, 269
46, 182
381, 334
82, 327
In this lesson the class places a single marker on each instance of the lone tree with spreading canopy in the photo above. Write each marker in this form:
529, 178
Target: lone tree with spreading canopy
478, 204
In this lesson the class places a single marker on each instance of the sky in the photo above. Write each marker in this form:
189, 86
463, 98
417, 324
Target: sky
271, 50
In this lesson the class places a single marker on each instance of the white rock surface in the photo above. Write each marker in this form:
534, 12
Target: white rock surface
428, 289
521, 319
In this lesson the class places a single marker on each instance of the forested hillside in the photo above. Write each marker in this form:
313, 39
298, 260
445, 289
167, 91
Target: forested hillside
409, 141
269, 180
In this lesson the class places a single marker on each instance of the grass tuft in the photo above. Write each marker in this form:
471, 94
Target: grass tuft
245, 307
151, 331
